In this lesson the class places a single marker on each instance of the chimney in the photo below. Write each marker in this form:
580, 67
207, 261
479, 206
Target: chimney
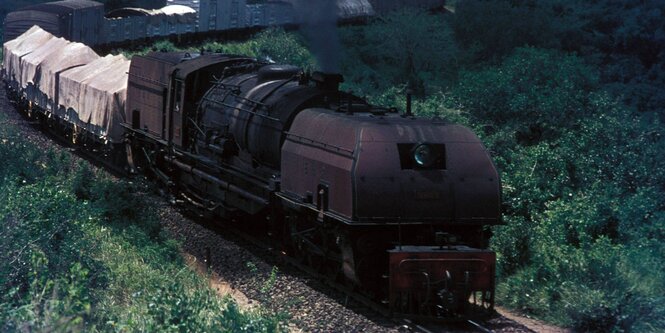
327, 81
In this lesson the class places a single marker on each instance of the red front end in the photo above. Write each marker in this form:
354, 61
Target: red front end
444, 282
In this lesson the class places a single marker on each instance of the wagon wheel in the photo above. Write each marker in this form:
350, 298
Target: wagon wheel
333, 259
292, 240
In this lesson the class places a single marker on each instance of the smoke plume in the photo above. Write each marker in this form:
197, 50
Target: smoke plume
319, 26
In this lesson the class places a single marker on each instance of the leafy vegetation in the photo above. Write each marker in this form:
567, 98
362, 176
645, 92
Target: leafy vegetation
581, 159
80, 251
582, 245
272, 44
623, 39
567, 96
574, 164
578, 142
392, 51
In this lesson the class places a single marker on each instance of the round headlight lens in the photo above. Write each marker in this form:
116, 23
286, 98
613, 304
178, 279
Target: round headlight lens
423, 155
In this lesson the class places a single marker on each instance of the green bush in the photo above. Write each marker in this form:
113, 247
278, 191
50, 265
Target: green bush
623, 37
584, 189
83, 252
408, 47
269, 45
535, 92
282, 47
47, 281
82, 182
489, 30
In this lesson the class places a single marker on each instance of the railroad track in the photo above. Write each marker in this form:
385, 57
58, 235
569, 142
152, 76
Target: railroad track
464, 326
92, 155
355, 301
224, 229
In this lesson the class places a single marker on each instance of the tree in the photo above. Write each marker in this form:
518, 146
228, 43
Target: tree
408, 47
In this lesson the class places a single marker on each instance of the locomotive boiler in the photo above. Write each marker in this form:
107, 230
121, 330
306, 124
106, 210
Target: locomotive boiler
394, 205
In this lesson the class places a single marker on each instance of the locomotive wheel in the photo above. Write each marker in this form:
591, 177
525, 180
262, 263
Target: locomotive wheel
313, 246
129, 153
291, 245
370, 262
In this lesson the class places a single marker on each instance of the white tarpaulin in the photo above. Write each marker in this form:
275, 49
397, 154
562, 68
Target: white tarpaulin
90, 90
29, 67
95, 95
14, 49
178, 10
70, 56
354, 8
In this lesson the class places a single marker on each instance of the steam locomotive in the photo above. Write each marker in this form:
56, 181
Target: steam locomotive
392, 204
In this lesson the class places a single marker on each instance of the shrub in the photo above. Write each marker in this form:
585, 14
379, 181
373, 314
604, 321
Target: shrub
272, 44
83, 252
47, 280
488, 30
582, 179
535, 92
408, 47
82, 182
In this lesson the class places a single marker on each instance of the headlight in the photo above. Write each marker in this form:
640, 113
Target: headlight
424, 155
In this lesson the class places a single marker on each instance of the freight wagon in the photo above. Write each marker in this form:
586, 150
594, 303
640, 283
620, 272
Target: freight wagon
85, 20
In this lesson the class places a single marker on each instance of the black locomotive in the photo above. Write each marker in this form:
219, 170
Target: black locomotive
390, 203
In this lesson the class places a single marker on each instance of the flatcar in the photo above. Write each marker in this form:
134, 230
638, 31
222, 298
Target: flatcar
394, 205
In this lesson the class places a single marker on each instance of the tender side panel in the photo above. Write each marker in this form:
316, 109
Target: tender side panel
317, 161
475, 182
147, 94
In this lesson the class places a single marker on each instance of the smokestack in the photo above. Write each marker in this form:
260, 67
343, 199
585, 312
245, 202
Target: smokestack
318, 20
328, 81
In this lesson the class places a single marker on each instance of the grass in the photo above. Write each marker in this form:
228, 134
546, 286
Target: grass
82, 251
